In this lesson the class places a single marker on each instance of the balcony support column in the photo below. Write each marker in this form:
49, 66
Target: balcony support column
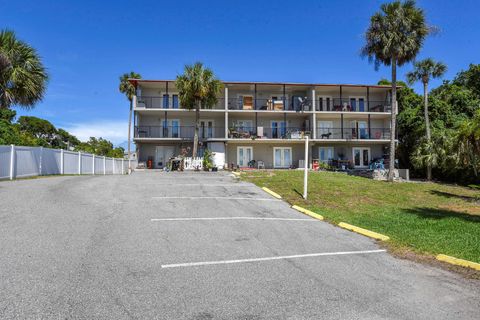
284, 100
341, 96
368, 99
314, 116
369, 127
255, 97
256, 123
341, 123
226, 113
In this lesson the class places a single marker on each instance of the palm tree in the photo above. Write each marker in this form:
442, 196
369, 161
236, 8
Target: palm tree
198, 89
423, 71
393, 38
23, 77
129, 90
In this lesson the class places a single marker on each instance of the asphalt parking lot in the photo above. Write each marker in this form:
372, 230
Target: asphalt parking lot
157, 245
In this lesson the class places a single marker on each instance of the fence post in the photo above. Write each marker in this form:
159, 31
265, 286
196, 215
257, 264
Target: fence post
79, 162
12, 161
61, 161
123, 166
93, 164
104, 166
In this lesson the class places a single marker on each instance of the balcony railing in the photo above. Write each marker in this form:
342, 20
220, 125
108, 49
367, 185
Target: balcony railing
353, 133
291, 104
268, 133
352, 105
170, 102
178, 132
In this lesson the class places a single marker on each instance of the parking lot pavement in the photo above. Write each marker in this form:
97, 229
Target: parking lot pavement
199, 245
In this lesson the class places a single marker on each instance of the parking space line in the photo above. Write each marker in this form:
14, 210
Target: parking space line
233, 218
217, 198
202, 185
309, 255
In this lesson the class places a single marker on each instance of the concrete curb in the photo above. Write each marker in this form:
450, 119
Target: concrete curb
458, 262
308, 212
274, 194
364, 232
237, 174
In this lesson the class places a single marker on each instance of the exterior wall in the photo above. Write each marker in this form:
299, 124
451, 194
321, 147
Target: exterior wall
264, 152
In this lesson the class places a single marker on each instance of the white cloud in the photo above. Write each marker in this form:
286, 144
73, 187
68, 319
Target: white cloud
115, 131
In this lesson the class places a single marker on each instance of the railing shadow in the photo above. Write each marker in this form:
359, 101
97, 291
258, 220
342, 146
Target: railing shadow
455, 196
436, 214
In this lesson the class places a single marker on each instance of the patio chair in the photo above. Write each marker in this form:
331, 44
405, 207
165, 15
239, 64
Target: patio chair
260, 164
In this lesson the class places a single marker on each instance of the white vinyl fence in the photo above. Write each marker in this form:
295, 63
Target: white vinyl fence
19, 162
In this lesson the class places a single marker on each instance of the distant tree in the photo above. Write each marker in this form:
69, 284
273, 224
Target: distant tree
23, 77
128, 90
425, 70
394, 37
65, 140
470, 79
40, 128
101, 147
198, 89
468, 144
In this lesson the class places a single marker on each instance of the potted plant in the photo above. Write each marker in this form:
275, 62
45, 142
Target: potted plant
207, 160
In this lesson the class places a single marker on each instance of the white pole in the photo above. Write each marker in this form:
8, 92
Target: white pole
104, 166
79, 162
93, 164
61, 161
12, 161
305, 171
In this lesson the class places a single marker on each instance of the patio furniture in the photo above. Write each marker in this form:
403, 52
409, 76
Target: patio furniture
260, 164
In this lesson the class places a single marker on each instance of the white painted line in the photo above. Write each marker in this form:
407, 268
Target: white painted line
201, 185
205, 263
233, 218
219, 198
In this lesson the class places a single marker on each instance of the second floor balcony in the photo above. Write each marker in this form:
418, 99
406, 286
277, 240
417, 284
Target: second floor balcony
178, 132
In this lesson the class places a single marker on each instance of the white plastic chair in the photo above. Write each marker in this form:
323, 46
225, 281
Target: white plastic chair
260, 164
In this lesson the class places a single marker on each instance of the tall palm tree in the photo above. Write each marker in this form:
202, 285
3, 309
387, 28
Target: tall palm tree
423, 71
198, 89
394, 37
129, 90
23, 78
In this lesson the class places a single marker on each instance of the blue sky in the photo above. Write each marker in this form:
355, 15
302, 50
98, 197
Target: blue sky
86, 45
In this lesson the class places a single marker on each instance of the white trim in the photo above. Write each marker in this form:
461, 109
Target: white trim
282, 148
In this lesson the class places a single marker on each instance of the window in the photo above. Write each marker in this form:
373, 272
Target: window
244, 156
175, 101
279, 129
325, 154
361, 157
165, 101
357, 104
324, 103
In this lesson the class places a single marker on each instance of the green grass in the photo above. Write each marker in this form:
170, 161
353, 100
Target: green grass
424, 217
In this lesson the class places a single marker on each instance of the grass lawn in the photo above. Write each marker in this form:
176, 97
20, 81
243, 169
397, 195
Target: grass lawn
423, 217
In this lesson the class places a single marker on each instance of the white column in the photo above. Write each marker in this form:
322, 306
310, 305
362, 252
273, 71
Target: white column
104, 166
12, 161
305, 170
314, 117
93, 164
226, 112
79, 162
61, 161
123, 166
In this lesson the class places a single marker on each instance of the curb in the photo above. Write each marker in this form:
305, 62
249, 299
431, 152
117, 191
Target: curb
274, 194
237, 174
458, 262
308, 212
364, 232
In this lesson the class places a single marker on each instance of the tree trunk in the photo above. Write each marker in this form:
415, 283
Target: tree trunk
197, 124
129, 129
391, 168
427, 126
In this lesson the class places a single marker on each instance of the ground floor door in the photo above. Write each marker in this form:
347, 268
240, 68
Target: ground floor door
162, 154
361, 157
282, 157
244, 156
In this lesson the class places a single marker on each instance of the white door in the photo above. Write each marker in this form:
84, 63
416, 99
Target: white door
361, 157
162, 155
206, 130
282, 157
170, 128
357, 104
244, 156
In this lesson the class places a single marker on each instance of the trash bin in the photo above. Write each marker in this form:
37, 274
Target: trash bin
315, 164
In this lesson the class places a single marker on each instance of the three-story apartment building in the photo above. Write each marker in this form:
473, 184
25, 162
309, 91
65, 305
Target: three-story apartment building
347, 125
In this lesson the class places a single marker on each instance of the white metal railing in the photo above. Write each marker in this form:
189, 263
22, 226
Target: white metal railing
190, 163
20, 162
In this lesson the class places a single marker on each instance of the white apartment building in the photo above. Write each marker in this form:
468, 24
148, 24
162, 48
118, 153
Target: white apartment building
348, 125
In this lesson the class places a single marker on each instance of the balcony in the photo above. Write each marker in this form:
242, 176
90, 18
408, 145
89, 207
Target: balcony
249, 103
353, 133
178, 132
167, 102
268, 133
352, 105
